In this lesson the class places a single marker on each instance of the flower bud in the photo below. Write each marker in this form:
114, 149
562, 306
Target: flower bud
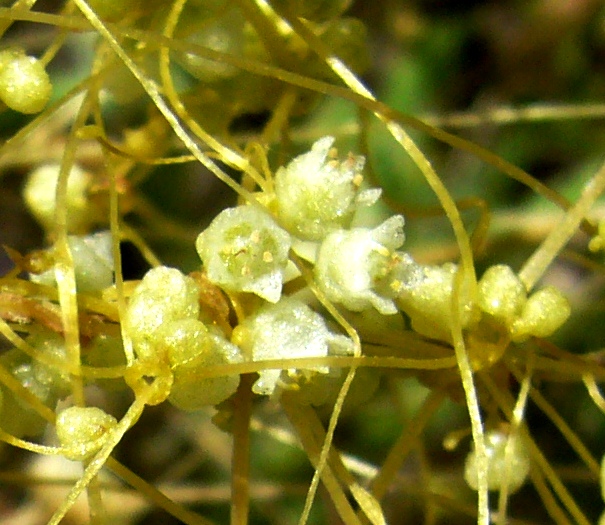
191, 347
163, 296
425, 295
82, 431
544, 313
24, 83
93, 263
40, 196
503, 469
501, 293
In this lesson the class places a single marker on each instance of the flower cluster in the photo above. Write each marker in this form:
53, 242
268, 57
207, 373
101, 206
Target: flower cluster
163, 323
425, 294
246, 252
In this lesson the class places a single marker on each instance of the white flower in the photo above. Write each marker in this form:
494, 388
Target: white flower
93, 262
244, 250
286, 330
317, 194
355, 267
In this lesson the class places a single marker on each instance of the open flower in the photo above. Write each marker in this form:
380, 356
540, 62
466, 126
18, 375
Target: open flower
244, 250
356, 267
317, 194
286, 330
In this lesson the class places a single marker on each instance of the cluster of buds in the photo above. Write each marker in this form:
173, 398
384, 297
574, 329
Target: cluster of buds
503, 296
163, 323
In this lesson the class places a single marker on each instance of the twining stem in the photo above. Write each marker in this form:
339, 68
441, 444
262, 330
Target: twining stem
100, 458
506, 403
566, 431
404, 444
539, 261
517, 420
465, 279
313, 449
240, 468
550, 502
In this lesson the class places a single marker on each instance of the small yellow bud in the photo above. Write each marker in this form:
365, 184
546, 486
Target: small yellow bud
545, 311
24, 83
503, 469
82, 431
501, 293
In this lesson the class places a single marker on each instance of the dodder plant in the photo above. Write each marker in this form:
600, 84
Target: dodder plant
303, 304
